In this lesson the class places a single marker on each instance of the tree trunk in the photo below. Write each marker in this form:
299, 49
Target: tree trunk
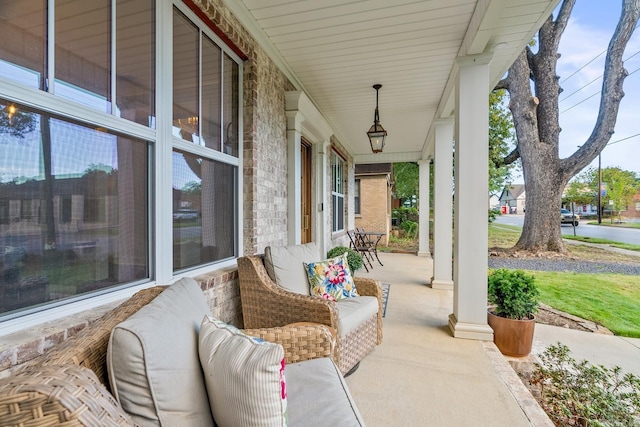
536, 121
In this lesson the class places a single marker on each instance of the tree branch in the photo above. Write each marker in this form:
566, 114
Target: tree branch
612, 93
503, 84
561, 21
511, 157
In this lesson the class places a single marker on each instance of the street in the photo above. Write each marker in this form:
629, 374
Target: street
623, 235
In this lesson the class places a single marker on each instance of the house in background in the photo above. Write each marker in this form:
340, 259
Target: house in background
494, 201
372, 198
512, 199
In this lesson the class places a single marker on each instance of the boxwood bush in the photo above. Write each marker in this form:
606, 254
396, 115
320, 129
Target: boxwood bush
354, 259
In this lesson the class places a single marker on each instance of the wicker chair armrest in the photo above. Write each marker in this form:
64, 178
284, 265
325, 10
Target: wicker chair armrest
58, 395
301, 341
267, 305
368, 287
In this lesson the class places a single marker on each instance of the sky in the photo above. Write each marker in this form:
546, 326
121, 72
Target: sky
587, 35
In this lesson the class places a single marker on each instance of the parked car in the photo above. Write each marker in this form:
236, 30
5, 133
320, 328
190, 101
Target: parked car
185, 215
568, 218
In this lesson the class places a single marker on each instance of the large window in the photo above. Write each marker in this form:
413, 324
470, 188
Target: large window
205, 114
85, 193
337, 192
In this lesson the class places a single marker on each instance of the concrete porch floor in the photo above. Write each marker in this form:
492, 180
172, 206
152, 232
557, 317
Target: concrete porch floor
421, 376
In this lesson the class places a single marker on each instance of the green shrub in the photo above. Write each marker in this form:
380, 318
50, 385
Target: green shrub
354, 259
514, 293
582, 394
410, 228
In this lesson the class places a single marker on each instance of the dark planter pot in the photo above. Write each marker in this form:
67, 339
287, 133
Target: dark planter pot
512, 337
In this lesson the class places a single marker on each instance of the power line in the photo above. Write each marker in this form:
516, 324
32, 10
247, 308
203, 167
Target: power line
597, 78
598, 92
623, 139
579, 69
596, 57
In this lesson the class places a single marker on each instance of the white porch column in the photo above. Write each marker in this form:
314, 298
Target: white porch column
294, 205
469, 317
423, 221
443, 205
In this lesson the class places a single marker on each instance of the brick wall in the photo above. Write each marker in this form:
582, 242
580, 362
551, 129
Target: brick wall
374, 205
220, 288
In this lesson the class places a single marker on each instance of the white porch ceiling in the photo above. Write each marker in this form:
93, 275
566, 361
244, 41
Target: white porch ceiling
336, 50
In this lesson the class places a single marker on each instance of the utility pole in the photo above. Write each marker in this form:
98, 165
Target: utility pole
599, 188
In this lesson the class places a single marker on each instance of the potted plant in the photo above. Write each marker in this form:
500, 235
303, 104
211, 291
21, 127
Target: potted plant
353, 258
513, 296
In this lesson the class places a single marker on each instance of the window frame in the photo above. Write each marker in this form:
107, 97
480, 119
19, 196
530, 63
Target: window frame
161, 146
338, 167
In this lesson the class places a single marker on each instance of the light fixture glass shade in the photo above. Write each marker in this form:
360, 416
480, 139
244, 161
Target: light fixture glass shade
377, 135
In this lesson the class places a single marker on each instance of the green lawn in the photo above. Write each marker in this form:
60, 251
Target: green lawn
611, 300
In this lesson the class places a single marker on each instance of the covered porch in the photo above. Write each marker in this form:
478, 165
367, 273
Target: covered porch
420, 376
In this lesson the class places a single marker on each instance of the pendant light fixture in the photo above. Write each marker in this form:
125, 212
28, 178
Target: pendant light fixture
376, 133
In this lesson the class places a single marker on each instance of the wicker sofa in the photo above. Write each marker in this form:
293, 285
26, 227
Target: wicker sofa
266, 303
70, 385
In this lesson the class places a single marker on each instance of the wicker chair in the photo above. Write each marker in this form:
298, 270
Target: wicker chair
265, 305
68, 385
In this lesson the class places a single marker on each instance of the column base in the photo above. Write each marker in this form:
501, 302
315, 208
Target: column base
446, 285
470, 331
423, 253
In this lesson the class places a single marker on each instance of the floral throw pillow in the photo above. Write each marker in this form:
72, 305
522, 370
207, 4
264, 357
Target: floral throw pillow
331, 279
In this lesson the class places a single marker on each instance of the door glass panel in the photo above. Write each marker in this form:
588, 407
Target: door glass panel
83, 52
185, 78
22, 41
135, 61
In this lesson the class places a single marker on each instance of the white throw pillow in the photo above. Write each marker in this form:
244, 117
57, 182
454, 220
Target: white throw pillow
244, 377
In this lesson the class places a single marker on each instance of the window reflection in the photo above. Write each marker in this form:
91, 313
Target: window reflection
73, 209
135, 61
204, 214
22, 41
83, 52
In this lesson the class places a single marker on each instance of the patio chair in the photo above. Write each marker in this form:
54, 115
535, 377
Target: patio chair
364, 249
357, 320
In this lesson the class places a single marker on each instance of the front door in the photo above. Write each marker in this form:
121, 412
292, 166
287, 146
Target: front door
305, 189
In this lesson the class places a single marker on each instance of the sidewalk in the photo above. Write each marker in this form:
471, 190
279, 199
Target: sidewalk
598, 349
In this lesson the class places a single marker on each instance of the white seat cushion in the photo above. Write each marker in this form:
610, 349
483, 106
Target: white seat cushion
318, 395
153, 363
354, 311
284, 265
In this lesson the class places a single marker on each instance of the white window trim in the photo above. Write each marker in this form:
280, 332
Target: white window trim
162, 145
